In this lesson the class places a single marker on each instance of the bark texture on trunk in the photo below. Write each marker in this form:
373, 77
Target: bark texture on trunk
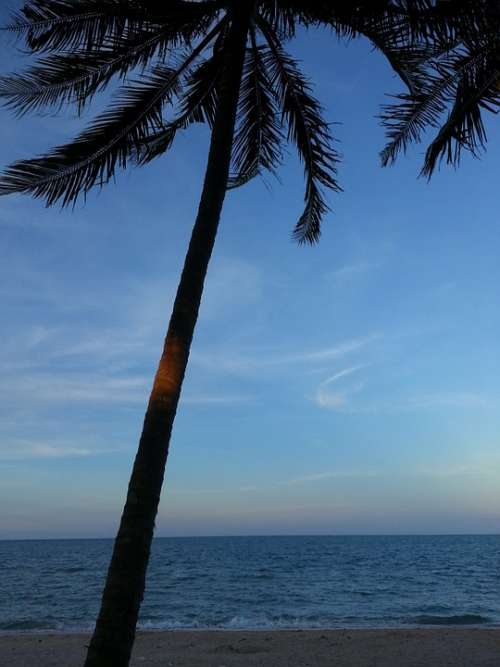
114, 635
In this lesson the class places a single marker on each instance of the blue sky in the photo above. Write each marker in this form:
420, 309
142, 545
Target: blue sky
352, 387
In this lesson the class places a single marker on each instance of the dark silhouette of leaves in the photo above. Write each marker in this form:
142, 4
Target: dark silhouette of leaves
259, 135
307, 130
84, 46
455, 85
110, 141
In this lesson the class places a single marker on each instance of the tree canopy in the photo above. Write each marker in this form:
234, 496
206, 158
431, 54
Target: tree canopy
166, 58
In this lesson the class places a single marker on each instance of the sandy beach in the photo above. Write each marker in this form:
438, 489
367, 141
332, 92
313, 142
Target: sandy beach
450, 647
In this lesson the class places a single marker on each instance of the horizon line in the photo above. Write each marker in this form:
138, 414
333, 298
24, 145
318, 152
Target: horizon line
253, 535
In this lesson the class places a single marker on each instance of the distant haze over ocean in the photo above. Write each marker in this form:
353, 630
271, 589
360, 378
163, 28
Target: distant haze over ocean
261, 582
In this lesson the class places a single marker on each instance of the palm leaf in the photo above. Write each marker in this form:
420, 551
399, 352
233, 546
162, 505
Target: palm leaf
198, 102
112, 140
94, 155
91, 24
258, 136
280, 17
73, 25
422, 108
60, 79
478, 90
284, 15
308, 130
198, 105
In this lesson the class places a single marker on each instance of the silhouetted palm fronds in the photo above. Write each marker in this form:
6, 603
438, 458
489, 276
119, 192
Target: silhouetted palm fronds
457, 83
167, 57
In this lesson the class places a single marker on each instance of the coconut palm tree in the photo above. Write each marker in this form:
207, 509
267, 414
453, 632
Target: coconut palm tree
175, 63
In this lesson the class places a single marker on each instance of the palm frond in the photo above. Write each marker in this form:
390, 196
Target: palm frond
74, 78
411, 22
404, 29
111, 141
92, 158
198, 103
280, 17
284, 15
478, 90
258, 136
73, 25
423, 107
89, 25
308, 130
408, 61
350, 18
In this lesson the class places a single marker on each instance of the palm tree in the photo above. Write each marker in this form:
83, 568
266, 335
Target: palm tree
219, 62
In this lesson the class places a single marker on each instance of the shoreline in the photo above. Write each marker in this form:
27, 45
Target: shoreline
448, 646
85, 632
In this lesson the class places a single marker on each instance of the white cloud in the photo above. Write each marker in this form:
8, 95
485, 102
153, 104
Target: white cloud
47, 388
459, 470
342, 399
452, 400
20, 450
326, 475
215, 399
442, 400
269, 361
437, 472
53, 388
355, 270
338, 400
194, 492
341, 374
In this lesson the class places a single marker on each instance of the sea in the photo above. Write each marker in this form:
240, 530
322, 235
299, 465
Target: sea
261, 583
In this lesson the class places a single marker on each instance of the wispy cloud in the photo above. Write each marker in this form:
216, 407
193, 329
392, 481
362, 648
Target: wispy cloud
108, 344
452, 400
455, 399
217, 399
342, 374
338, 400
93, 355
326, 475
58, 389
353, 271
194, 492
344, 401
436, 472
21, 450
47, 388
458, 470
210, 492
337, 393
270, 360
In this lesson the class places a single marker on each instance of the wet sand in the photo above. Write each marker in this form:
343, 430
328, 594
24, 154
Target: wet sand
446, 647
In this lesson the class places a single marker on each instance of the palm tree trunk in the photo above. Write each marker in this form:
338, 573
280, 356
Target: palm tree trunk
114, 635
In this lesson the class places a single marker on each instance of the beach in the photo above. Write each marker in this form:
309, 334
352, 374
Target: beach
450, 647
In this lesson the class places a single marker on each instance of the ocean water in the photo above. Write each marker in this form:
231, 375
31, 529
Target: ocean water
261, 582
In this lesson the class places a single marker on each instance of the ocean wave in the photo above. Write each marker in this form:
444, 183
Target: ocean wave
27, 625
242, 622
263, 622
33, 626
